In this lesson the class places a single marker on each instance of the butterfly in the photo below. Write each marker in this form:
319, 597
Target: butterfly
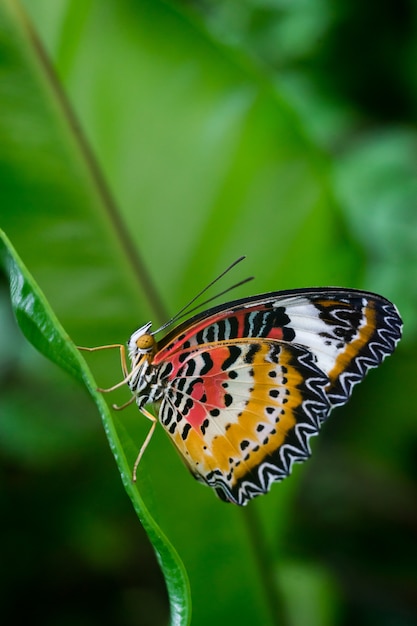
241, 388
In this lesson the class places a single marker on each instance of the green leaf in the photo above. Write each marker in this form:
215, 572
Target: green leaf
41, 327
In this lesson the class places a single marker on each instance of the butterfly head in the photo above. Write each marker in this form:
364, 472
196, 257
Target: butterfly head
141, 343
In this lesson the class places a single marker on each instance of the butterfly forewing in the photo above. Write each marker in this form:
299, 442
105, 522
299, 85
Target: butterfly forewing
348, 331
244, 386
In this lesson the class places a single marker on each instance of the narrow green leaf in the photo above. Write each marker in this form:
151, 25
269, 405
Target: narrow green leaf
42, 328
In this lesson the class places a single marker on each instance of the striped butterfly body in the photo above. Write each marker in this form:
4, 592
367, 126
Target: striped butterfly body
241, 388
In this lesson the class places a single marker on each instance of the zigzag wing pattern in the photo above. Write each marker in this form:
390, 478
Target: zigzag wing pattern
242, 413
376, 337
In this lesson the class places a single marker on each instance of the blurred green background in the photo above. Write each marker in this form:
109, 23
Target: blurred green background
145, 145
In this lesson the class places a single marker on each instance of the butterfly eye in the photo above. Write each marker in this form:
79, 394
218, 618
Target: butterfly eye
145, 342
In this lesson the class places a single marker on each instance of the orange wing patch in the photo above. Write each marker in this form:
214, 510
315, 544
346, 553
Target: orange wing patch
351, 351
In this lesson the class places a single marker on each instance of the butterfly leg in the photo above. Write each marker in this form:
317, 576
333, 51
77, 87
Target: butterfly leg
122, 350
122, 382
96, 348
127, 375
154, 421
120, 407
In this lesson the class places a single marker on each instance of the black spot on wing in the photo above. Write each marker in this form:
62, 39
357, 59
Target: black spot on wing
233, 330
228, 399
208, 363
251, 353
185, 431
209, 334
190, 369
234, 354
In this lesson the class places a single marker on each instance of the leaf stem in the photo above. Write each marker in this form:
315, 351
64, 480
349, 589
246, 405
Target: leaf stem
273, 594
134, 258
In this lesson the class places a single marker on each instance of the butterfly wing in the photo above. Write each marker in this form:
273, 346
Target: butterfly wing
348, 331
242, 412
327, 339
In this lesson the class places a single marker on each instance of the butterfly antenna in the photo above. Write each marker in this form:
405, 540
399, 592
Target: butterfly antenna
218, 295
185, 309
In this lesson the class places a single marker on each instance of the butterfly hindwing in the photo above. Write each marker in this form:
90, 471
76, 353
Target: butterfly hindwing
241, 413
